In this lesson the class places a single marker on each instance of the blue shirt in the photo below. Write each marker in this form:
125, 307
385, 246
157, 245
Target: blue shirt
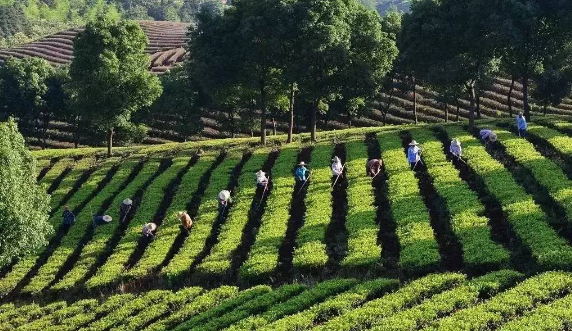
69, 217
413, 154
521, 123
301, 172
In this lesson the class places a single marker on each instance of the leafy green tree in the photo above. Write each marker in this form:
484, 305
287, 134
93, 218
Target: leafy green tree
24, 205
109, 75
31, 91
551, 87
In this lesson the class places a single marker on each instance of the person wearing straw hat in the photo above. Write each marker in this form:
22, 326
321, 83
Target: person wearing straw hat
455, 148
488, 136
521, 125
337, 167
148, 230
186, 222
102, 220
224, 200
69, 218
413, 154
373, 167
261, 179
124, 209
301, 172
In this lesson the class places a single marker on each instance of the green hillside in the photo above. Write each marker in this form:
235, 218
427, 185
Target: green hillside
480, 244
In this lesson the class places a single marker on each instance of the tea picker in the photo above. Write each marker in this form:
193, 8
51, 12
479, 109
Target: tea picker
101, 220
373, 167
124, 209
186, 222
300, 175
224, 200
456, 150
414, 154
488, 136
68, 218
521, 125
337, 169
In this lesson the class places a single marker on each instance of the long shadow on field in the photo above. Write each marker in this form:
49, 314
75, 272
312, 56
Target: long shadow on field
159, 216
556, 213
212, 239
387, 235
284, 270
119, 231
45, 170
55, 242
255, 213
501, 231
192, 209
449, 246
336, 233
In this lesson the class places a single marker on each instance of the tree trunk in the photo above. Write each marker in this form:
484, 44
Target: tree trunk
415, 100
291, 109
510, 96
525, 97
478, 107
313, 113
110, 143
76, 133
458, 111
472, 97
263, 113
446, 113
545, 108
45, 131
274, 126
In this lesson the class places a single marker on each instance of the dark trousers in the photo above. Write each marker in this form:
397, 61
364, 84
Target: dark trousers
522, 133
184, 231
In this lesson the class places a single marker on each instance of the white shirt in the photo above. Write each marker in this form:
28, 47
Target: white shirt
337, 168
456, 150
261, 178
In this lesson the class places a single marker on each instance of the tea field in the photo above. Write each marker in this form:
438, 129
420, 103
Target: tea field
480, 243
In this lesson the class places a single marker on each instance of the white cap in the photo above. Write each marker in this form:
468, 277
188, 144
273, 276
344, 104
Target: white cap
151, 226
107, 218
127, 201
336, 159
260, 173
456, 142
493, 136
413, 143
302, 163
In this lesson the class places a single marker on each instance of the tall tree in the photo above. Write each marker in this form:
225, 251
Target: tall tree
110, 76
24, 205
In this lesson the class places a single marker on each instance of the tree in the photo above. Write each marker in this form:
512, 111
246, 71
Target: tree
452, 43
24, 205
28, 92
110, 76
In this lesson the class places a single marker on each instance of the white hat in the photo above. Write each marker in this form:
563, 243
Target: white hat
413, 143
107, 218
224, 195
151, 226
260, 173
336, 159
302, 163
493, 136
456, 142
127, 201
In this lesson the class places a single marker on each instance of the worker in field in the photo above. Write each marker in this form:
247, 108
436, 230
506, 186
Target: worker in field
456, 148
413, 154
101, 220
337, 167
521, 125
373, 167
261, 179
124, 209
148, 231
224, 200
186, 222
488, 136
301, 172
69, 218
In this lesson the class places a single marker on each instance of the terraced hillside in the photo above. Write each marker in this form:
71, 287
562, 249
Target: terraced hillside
480, 243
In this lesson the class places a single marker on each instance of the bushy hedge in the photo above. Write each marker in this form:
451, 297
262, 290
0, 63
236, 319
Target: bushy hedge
217, 264
56, 171
419, 252
363, 249
526, 218
49, 270
554, 316
479, 251
206, 217
68, 182
263, 256
310, 254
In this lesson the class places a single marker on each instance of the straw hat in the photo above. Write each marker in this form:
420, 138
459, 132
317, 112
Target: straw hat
336, 159
260, 173
493, 137
151, 226
128, 202
413, 143
107, 218
181, 213
456, 142
224, 195
302, 163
